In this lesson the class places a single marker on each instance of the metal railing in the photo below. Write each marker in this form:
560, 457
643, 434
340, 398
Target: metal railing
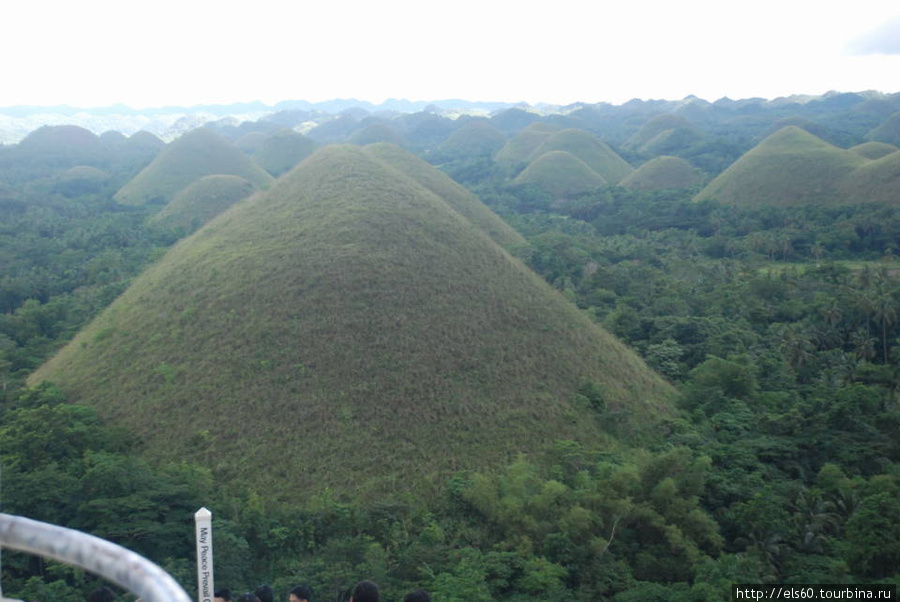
108, 560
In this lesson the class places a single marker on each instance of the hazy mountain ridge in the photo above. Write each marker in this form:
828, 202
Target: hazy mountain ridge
169, 122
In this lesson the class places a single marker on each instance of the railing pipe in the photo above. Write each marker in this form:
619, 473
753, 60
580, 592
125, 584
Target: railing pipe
106, 559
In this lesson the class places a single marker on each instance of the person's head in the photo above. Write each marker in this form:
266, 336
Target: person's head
265, 593
223, 595
301, 593
365, 591
248, 597
418, 595
101, 594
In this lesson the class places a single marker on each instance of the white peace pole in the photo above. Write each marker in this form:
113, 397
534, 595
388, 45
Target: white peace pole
205, 587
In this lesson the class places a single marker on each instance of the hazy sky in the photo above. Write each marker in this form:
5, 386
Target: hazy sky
97, 52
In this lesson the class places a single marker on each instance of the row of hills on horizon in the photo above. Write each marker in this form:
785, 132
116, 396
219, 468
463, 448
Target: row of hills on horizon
168, 122
835, 150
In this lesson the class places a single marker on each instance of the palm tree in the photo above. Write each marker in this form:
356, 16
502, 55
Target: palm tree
885, 312
863, 344
814, 519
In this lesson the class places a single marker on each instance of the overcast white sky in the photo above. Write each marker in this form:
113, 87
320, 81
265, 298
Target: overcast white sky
99, 52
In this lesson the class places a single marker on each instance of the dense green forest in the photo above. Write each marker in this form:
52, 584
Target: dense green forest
779, 326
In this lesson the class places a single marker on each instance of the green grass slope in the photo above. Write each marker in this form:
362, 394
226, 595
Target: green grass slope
460, 199
561, 174
790, 167
874, 150
347, 328
198, 153
663, 173
587, 147
282, 151
877, 181
519, 147
203, 200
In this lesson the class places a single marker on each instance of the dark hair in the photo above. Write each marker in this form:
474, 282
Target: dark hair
248, 597
365, 591
302, 591
101, 594
223, 593
418, 595
265, 593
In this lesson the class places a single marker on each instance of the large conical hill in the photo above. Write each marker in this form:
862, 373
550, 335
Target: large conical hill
560, 174
346, 328
663, 173
200, 152
790, 167
203, 200
460, 199
590, 149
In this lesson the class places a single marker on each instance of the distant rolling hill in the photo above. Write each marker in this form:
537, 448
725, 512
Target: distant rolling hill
663, 173
664, 134
198, 153
203, 200
282, 151
888, 131
82, 179
590, 149
64, 145
790, 167
874, 150
348, 328
560, 174
877, 181
475, 138
375, 132
519, 147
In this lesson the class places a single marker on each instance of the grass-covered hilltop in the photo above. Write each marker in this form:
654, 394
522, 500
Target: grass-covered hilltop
595, 153
790, 167
352, 305
560, 174
794, 167
499, 352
